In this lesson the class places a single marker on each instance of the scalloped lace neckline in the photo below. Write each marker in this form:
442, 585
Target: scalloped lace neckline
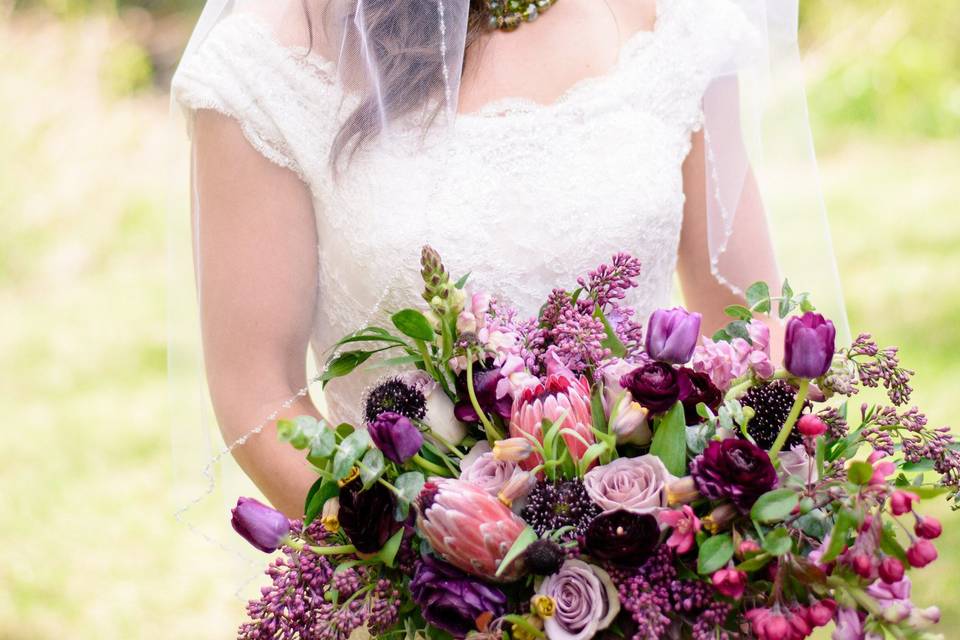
631, 47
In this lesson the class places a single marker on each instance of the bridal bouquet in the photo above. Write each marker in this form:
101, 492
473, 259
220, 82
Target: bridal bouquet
578, 475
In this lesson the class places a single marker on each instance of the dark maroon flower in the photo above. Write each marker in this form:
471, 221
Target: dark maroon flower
485, 382
450, 599
653, 385
367, 516
396, 436
736, 469
696, 387
262, 526
623, 537
810, 345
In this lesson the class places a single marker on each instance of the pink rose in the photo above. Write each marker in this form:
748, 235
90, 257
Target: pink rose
632, 484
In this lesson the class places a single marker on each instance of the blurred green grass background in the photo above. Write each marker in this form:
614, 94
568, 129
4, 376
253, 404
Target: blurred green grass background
89, 164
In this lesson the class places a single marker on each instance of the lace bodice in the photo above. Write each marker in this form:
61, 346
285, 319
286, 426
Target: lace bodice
524, 196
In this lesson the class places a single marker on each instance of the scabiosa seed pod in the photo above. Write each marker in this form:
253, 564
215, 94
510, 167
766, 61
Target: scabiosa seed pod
394, 395
771, 404
544, 557
555, 505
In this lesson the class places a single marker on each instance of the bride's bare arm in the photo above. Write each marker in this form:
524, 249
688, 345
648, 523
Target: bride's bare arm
257, 278
749, 257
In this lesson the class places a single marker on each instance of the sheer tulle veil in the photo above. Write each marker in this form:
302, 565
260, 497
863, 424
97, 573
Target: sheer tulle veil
399, 64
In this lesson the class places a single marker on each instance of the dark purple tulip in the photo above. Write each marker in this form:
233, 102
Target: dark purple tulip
696, 387
653, 385
366, 516
450, 599
262, 526
485, 387
397, 437
672, 335
735, 469
623, 537
810, 345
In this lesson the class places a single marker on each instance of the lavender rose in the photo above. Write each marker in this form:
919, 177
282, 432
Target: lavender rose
736, 469
450, 599
481, 469
653, 385
585, 600
630, 484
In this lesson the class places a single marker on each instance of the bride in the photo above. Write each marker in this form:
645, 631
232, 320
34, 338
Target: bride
332, 139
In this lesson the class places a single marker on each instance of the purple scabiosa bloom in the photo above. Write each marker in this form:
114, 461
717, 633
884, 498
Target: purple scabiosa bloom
450, 599
735, 469
366, 516
810, 345
396, 436
672, 335
654, 386
262, 526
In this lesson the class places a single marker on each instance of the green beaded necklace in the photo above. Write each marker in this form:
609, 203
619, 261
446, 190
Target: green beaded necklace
508, 14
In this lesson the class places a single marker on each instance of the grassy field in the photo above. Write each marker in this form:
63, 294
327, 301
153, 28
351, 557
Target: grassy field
88, 547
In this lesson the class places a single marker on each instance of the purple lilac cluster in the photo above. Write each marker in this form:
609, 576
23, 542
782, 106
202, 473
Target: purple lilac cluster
886, 428
877, 366
295, 605
654, 595
531, 337
609, 283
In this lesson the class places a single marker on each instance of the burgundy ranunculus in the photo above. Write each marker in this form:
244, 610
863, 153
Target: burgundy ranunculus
696, 387
450, 599
653, 385
672, 335
623, 537
396, 436
367, 516
262, 526
736, 469
485, 382
810, 345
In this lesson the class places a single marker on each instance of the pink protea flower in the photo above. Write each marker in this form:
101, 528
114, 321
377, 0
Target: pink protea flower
562, 394
468, 527
685, 527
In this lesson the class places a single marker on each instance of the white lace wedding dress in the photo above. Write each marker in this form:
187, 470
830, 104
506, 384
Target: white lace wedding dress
532, 196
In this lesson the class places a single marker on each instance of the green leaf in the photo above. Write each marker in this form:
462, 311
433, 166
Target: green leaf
373, 467
527, 537
758, 297
778, 542
805, 304
786, 302
670, 441
344, 364
739, 312
922, 465
860, 472
298, 432
846, 521
890, 545
593, 452
409, 485
412, 323
925, 492
755, 563
321, 491
775, 505
612, 341
322, 445
739, 329
721, 335
388, 554
522, 623
349, 452
462, 282
715, 553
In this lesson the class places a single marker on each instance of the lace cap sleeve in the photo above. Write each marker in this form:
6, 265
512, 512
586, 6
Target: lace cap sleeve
281, 96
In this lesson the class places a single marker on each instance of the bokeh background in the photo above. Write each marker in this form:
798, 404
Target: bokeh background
89, 166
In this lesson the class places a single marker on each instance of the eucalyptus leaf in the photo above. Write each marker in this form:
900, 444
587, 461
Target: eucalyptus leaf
739, 312
739, 329
715, 553
409, 485
349, 452
670, 440
322, 444
373, 467
775, 505
758, 297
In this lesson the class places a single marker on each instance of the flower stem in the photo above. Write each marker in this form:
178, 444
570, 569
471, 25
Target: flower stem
426, 465
381, 480
451, 447
492, 433
338, 550
791, 421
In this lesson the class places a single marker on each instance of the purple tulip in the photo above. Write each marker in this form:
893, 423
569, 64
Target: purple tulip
672, 335
396, 436
810, 345
262, 526
450, 599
